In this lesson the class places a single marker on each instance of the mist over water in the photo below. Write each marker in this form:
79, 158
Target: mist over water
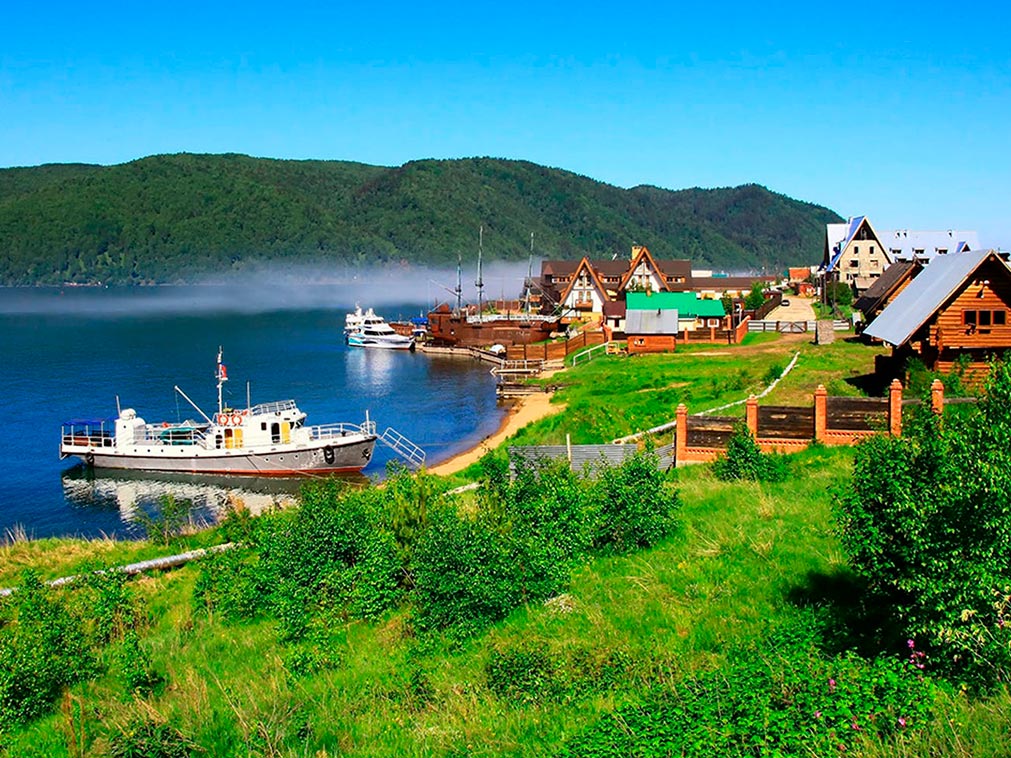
290, 288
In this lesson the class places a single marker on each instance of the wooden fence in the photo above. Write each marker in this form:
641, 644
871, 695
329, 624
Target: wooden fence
829, 420
554, 351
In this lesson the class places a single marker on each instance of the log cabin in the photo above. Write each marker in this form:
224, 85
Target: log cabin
954, 313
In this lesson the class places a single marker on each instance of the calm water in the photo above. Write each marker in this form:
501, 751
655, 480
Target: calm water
70, 354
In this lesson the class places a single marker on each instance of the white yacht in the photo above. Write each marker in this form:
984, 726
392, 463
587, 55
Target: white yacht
369, 330
268, 439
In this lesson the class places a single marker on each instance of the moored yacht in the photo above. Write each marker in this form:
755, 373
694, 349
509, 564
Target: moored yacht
267, 439
369, 330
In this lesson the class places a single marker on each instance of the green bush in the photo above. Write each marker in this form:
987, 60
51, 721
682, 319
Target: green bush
43, 648
927, 523
636, 508
147, 736
744, 460
521, 675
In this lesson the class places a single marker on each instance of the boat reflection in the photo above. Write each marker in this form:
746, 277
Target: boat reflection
209, 497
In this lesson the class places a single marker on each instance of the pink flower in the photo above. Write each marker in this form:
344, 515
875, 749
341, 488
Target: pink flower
902, 721
817, 714
911, 644
831, 685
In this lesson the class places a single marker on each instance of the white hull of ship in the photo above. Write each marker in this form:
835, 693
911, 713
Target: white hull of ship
329, 457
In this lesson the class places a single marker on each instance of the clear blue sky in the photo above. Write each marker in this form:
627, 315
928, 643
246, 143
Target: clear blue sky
902, 113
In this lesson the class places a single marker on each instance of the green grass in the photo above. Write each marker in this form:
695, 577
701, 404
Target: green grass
746, 564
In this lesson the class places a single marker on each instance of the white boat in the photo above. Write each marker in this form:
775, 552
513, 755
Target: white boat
369, 330
268, 439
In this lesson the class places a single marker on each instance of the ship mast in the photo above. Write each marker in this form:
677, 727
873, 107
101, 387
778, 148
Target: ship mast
530, 274
480, 282
222, 375
459, 285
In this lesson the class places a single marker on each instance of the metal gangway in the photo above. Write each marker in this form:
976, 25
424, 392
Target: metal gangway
403, 447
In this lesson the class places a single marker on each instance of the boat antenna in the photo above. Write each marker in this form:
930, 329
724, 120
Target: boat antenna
480, 282
119, 411
222, 374
249, 404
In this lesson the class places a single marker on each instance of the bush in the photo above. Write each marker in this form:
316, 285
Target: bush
148, 736
927, 523
636, 508
521, 675
745, 460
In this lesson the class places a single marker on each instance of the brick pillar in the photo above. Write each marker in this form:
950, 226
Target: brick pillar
895, 408
820, 412
751, 415
937, 397
681, 435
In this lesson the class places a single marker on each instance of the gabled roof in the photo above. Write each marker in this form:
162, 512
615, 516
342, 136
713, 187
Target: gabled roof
838, 236
885, 285
642, 255
687, 304
925, 294
584, 265
652, 322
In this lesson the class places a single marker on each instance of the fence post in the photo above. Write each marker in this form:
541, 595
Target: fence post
937, 397
751, 414
895, 408
820, 412
681, 434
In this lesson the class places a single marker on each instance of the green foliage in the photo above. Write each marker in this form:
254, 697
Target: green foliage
162, 527
521, 675
148, 736
755, 298
177, 217
745, 460
839, 294
636, 506
927, 522
43, 648
135, 669
788, 700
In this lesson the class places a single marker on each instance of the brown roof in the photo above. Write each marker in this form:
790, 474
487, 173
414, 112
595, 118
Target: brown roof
885, 284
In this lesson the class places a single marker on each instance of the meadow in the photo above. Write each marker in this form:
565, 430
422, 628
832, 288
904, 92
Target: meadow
645, 614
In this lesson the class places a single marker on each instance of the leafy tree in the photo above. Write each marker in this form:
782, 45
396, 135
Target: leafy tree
755, 298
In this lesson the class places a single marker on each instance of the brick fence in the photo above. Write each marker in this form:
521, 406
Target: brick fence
828, 420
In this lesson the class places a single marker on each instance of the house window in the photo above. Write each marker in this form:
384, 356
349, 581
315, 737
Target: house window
942, 251
854, 263
872, 249
999, 318
856, 249
984, 318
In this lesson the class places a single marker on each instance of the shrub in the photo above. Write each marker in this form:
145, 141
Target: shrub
134, 664
149, 736
636, 507
745, 460
521, 675
927, 523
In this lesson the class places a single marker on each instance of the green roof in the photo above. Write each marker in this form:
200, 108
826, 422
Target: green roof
687, 304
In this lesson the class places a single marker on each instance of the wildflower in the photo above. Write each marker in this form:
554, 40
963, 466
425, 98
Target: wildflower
902, 721
817, 714
855, 725
831, 685
911, 644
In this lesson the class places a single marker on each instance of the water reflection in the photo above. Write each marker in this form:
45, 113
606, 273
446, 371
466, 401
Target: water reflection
210, 497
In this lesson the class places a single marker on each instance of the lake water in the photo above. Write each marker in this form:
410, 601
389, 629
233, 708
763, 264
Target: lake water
69, 353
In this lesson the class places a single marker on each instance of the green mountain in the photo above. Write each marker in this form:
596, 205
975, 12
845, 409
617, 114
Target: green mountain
181, 217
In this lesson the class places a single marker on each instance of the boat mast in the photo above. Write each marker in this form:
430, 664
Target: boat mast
480, 282
530, 274
222, 375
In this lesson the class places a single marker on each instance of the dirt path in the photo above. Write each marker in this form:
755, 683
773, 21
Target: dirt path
525, 411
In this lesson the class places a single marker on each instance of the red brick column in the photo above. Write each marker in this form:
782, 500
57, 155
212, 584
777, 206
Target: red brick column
681, 435
820, 412
895, 408
937, 397
751, 415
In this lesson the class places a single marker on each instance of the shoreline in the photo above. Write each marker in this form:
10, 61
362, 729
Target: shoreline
523, 411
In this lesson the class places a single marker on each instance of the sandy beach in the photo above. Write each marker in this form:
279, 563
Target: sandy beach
522, 412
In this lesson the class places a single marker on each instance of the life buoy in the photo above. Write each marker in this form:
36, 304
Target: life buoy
328, 454
223, 419
236, 420
89, 458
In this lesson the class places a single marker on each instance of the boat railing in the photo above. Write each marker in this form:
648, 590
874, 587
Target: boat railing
86, 436
329, 431
156, 434
275, 407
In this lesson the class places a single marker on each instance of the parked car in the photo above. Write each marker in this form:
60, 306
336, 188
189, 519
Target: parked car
784, 303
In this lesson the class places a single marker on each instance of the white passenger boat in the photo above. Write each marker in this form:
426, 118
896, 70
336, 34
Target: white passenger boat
369, 330
268, 439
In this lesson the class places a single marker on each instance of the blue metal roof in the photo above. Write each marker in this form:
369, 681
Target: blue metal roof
924, 295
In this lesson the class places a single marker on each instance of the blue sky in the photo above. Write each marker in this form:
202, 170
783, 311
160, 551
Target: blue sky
901, 112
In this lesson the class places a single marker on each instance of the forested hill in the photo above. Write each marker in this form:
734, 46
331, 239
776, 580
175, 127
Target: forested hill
180, 217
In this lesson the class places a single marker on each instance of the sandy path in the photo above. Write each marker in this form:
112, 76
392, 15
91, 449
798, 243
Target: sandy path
523, 412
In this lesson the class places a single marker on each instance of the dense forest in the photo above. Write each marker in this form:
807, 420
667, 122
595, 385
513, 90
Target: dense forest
171, 218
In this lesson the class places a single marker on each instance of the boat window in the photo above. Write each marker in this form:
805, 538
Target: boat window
275, 433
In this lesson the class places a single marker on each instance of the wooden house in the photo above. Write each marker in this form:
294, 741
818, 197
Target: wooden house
956, 309
886, 288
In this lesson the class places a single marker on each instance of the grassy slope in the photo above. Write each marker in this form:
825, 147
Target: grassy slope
675, 609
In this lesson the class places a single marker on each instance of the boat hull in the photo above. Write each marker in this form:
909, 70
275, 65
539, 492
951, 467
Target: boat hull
330, 457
